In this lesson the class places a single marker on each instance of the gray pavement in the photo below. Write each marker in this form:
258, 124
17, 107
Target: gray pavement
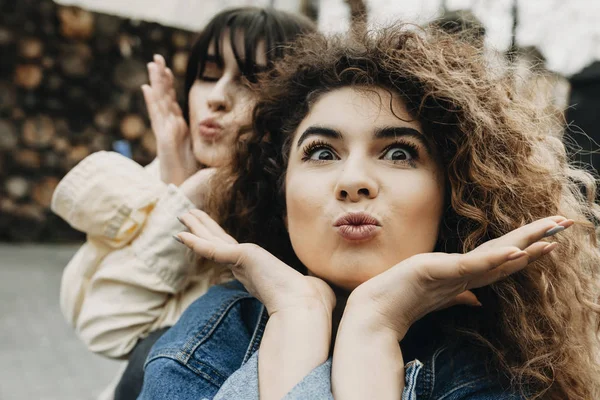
40, 356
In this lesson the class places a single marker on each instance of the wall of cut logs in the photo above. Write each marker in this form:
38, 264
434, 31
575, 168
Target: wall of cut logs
69, 86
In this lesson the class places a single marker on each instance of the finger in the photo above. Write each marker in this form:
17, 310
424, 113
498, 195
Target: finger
196, 227
467, 298
170, 76
150, 100
534, 252
160, 60
222, 253
156, 77
152, 73
468, 266
212, 226
533, 232
175, 109
170, 83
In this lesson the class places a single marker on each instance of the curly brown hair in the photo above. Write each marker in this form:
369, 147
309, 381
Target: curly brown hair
504, 168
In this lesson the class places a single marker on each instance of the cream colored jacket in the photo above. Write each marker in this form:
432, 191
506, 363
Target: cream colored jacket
130, 277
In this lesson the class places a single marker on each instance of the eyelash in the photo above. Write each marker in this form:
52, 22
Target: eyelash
316, 145
412, 149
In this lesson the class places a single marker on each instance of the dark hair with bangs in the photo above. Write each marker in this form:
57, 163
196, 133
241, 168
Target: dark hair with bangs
277, 28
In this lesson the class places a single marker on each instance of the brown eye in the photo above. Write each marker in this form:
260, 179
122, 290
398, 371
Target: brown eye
397, 154
322, 155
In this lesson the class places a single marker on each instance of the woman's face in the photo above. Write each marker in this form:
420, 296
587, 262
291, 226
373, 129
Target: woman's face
363, 188
220, 104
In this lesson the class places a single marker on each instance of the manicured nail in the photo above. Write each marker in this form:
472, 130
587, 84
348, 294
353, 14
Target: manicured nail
549, 248
177, 238
516, 255
180, 220
568, 223
554, 231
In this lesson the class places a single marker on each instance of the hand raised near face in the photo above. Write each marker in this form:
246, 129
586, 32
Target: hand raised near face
278, 286
427, 282
173, 142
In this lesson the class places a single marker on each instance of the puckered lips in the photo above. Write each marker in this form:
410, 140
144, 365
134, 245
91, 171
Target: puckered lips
210, 129
357, 226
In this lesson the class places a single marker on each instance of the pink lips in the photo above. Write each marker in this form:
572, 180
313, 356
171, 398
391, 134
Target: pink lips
209, 128
357, 226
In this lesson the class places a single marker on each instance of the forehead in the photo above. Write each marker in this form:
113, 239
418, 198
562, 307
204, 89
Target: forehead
226, 47
357, 109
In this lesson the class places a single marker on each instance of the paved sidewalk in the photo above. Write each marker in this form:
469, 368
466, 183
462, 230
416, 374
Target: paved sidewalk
40, 356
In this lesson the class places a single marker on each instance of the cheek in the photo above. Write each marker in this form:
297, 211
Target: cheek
244, 106
306, 201
417, 206
197, 100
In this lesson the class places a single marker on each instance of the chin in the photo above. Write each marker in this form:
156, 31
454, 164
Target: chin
214, 156
347, 279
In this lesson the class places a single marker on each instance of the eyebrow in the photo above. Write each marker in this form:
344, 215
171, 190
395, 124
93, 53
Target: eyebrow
380, 133
393, 132
318, 131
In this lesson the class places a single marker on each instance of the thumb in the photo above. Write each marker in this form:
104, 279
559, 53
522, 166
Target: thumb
467, 298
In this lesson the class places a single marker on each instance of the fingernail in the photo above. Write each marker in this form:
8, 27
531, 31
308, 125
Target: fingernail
554, 231
180, 220
516, 255
177, 238
568, 223
549, 248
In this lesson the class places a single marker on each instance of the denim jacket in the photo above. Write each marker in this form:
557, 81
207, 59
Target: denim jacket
211, 352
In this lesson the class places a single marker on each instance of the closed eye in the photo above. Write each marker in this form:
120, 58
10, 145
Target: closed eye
212, 72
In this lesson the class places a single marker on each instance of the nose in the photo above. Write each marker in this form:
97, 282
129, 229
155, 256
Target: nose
356, 182
219, 99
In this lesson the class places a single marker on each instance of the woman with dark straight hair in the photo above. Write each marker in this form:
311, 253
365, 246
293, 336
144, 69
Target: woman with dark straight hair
130, 279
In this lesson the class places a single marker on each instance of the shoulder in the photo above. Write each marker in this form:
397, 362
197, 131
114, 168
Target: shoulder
215, 335
458, 372
154, 168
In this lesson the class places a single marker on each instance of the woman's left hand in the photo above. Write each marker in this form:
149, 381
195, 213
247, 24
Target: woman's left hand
427, 282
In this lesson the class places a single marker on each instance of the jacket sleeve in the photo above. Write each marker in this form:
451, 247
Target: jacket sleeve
243, 384
126, 280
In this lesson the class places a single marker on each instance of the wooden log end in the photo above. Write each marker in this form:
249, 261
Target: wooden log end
38, 132
132, 127
43, 190
76, 23
17, 187
27, 158
28, 76
180, 61
31, 48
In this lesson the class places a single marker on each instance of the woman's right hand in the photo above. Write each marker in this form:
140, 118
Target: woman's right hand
278, 286
173, 142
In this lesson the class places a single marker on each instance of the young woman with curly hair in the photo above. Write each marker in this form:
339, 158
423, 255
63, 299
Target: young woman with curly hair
407, 231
